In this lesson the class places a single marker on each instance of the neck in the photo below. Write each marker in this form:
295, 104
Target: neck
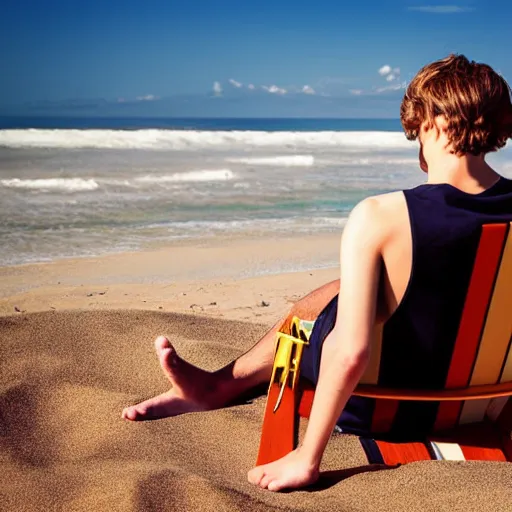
468, 173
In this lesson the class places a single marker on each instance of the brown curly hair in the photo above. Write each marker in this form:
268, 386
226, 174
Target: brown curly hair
472, 97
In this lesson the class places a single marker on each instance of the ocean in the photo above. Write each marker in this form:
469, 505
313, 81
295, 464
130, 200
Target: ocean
75, 187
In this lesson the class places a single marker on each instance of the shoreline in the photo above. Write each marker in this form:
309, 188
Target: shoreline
238, 279
196, 242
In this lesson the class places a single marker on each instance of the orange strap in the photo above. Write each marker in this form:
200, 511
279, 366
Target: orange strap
472, 393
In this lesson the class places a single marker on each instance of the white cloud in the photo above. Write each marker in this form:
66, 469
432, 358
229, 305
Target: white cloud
217, 89
385, 70
274, 89
441, 9
147, 97
393, 87
378, 90
391, 74
271, 89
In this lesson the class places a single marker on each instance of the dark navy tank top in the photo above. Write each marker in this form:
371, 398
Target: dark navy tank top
418, 339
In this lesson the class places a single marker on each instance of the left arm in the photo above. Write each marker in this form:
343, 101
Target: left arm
347, 348
345, 352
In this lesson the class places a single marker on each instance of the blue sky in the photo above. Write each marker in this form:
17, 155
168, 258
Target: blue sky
235, 58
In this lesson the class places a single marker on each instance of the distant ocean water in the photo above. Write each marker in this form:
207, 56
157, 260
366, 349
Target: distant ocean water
82, 186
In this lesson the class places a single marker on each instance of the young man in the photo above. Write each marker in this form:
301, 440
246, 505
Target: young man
406, 260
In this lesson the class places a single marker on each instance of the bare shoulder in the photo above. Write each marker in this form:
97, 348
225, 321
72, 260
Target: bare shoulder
378, 216
388, 201
380, 206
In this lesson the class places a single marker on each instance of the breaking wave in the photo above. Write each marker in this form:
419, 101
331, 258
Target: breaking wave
156, 139
65, 184
203, 175
282, 161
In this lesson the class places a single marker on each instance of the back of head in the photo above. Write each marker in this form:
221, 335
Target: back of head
474, 100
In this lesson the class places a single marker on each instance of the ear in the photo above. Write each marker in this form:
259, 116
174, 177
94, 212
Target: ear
426, 126
440, 124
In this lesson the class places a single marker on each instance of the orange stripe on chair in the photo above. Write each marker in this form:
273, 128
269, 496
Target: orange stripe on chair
306, 400
384, 415
472, 321
278, 427
481, 453
402, 453
493, 348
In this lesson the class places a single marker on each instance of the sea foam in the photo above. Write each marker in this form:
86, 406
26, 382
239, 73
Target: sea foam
155, 139
202, 175
61, 184
281, 161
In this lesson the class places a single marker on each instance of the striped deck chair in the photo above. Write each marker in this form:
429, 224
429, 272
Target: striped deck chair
474, 416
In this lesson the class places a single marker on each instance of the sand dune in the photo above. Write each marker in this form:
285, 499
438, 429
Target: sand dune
65, 377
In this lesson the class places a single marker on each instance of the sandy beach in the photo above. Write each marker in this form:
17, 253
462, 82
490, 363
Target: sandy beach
76, 346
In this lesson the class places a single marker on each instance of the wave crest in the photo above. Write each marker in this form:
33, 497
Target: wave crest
156, 139
66, 184
203, 175
282, 161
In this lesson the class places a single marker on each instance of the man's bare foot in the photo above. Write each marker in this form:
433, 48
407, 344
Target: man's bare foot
293, 471
192, 389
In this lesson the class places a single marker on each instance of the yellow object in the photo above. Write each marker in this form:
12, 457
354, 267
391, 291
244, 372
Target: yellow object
288, 355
